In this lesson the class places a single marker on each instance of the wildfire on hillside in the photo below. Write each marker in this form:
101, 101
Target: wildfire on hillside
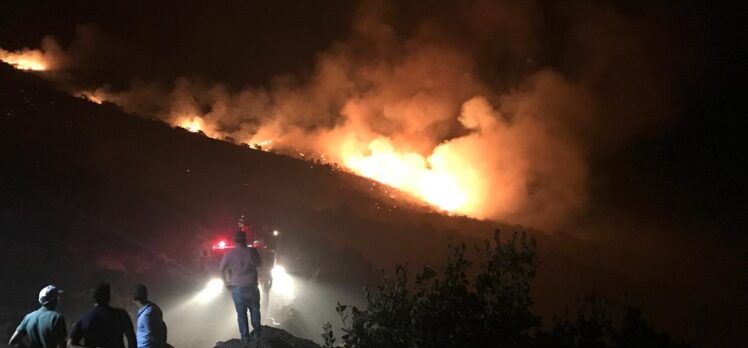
495, 167
91, 97
427, 178
25, 59
430, 178
193, 124
196, 124
460, 114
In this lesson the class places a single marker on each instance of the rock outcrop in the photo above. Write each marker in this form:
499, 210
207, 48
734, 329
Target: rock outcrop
271, 338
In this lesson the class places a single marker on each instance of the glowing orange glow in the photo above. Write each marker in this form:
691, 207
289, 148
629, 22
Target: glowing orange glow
431, 179
25, 59
92, 97
263, 145
193, 124
444, 178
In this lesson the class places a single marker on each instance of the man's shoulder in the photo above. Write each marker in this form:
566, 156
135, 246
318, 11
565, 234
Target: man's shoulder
45, 313
151, 310
102, 313
229, 254
29, 317
121, 313
32, 314
55, 315
87, 316
237, 252
147, 309
246, 250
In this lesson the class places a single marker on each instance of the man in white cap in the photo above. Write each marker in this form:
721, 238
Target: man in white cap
44, 327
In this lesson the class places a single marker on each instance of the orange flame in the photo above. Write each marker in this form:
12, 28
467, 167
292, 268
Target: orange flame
25, 59
429, 178
193, 124
197, 124
92, 97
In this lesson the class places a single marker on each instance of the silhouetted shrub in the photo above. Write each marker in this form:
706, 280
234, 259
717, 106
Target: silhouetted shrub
453, 308
487, 307
597, 323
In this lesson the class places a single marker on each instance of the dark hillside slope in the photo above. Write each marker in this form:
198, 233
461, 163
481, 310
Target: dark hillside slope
89, 193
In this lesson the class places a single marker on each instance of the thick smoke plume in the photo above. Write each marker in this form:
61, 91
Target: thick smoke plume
467, 108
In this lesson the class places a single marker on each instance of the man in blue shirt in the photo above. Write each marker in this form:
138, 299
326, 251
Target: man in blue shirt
44, 327
102, 326
150, 330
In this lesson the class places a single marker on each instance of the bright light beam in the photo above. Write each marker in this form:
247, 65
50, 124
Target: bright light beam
283, 283
211, 291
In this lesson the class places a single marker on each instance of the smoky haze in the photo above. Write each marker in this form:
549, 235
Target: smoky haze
501, 104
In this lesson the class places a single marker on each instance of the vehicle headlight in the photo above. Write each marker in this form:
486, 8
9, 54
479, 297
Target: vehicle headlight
211, 290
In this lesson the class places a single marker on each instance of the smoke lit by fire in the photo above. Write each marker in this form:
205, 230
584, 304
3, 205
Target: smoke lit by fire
49, 57
91, 97
25, 59
417, 113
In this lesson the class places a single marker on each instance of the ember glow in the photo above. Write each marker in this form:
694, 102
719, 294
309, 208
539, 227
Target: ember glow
92, 97
25, 59
193, 124
196, 124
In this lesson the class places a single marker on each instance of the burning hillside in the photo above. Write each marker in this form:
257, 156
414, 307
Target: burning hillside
25, 60
418, 112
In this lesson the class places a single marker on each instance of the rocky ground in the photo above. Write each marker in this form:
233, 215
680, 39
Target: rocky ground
271, 338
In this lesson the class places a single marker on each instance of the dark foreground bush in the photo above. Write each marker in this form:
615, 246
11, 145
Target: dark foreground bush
485, 307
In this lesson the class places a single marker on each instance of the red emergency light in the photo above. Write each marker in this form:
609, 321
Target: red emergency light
223, 245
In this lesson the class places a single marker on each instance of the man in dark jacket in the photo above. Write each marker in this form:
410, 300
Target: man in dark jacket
44, 327
150, 329
239, 271
102, 326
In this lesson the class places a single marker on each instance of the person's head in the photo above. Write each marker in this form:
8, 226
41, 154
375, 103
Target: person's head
140, 294
49, 296
102, 294
240, 238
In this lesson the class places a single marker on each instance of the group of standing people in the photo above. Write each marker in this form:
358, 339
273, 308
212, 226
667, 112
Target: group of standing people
102, 326
105, 326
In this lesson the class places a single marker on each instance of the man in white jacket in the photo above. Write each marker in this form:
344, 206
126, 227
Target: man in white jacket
239, 271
